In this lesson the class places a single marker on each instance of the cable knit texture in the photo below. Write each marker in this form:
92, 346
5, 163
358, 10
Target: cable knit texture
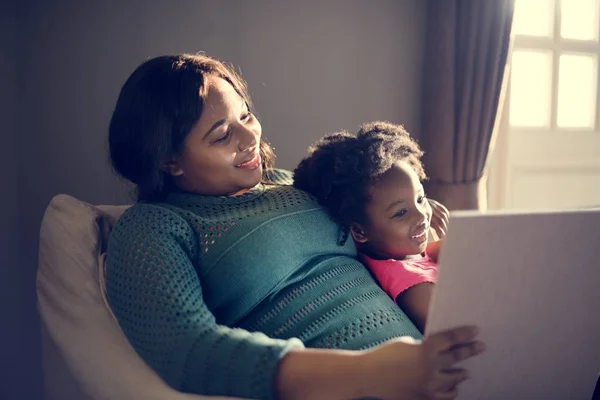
213, 291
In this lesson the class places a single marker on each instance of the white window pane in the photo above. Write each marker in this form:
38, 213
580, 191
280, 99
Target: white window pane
577, 75
579, 19
530, 88
534, 17
556, 188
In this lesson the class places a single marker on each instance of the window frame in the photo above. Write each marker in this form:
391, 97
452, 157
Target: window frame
520, 147
558, 46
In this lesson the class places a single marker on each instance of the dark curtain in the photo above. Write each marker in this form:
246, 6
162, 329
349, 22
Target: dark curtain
467, 46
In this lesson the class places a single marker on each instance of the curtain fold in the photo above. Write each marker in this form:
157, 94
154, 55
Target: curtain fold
466, 51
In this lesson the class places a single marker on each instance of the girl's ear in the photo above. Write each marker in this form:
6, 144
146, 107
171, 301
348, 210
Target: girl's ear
358, 233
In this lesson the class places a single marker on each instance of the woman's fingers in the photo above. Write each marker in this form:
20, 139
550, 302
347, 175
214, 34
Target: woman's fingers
447, 382
443, 350
450, 395
446, 340
460, 352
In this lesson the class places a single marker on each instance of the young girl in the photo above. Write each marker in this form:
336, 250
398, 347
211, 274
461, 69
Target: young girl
371, 185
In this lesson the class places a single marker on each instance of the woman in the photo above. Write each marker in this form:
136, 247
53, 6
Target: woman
222, 272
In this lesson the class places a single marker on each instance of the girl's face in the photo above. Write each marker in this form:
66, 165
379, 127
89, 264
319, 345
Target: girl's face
397, 216
221, 155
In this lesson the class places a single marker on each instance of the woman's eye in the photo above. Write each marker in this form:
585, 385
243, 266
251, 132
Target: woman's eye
246, 116
421, 199
223, 138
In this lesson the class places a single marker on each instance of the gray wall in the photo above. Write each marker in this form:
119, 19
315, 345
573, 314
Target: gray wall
12, 299
312, 66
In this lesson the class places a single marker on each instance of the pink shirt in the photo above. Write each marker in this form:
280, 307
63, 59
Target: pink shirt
395, 276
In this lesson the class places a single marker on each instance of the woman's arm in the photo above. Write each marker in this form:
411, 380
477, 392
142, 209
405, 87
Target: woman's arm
156, 295
398, 369
320, 374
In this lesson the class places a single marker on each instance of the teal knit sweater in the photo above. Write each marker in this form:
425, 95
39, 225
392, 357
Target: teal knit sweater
213, 291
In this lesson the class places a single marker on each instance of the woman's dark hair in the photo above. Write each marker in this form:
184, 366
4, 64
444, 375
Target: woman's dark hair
157, 108
342, 167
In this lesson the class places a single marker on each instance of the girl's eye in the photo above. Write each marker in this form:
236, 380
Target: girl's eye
247, 116
399, 214
421, 199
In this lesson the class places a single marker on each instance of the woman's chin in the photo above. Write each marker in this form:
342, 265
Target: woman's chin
248, 184
248, 179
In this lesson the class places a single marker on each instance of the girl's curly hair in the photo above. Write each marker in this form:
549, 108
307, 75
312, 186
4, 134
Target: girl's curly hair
342, 167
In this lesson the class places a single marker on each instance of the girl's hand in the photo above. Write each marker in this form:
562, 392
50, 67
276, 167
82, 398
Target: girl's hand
406, 369
439, 218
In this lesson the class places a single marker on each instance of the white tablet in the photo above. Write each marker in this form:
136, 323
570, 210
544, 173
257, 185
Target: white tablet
531, 282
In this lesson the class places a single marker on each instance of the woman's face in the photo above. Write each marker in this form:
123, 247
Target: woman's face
221, 155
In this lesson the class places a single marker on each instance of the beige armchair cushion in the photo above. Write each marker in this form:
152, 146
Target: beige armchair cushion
85, 353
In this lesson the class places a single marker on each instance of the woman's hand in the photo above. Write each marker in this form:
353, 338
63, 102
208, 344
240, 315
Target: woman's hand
439, 218
400, 369
405, 369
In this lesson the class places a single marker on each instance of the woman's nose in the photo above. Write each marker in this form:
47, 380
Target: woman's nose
247, 139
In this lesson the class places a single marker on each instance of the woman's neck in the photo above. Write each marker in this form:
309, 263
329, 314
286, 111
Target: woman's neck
239, 192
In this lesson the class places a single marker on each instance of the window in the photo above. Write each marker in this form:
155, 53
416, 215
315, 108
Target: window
548, 150
555, 64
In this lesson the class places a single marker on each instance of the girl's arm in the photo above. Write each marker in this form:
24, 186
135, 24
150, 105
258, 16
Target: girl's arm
414, 301
438, 228
433, 250
439, 218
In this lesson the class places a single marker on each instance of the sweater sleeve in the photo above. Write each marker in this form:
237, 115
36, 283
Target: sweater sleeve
155, 293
